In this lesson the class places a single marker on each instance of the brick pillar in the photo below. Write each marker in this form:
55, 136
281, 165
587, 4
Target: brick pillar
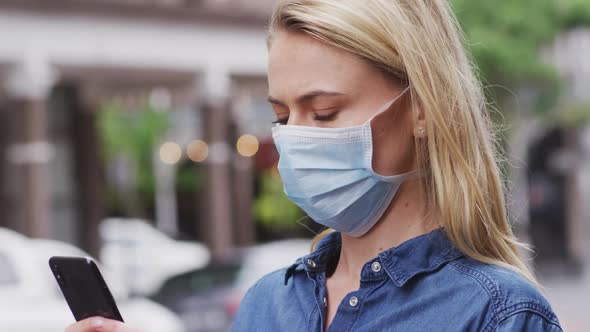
7, 210
27, 86
218, 226
29, 155
243, 197
88, 165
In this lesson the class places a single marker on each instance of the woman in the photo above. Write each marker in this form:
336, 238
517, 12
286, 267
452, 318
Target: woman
383, 137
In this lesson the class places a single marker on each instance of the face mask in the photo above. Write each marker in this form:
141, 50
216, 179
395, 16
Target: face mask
328, 173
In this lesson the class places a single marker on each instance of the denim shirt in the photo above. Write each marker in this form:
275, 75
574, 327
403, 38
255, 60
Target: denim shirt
424, 284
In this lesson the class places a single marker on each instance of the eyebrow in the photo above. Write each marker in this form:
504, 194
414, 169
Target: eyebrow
307, 97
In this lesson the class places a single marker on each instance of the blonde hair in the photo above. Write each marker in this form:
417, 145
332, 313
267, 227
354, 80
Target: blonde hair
420, 42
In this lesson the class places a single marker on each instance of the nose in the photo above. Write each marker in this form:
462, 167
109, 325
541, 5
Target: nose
294, 119
297, 118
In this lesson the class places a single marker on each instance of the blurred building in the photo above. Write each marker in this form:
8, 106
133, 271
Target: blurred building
60, 59
551, 177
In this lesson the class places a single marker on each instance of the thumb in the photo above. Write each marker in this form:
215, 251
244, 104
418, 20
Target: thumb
116, 326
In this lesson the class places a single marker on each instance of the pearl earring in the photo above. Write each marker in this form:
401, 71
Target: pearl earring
421, 131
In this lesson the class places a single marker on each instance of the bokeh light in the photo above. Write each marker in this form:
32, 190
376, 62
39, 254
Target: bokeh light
247, 145
170, 153
197, 151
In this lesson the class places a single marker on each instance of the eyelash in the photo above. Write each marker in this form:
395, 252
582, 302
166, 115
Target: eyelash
317, 117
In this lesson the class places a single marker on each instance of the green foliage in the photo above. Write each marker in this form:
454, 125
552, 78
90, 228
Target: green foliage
505, 38
273, 208
572, 116
575, 12
133, 135
189, 179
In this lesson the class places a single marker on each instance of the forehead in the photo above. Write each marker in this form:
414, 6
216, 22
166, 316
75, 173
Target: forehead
298, 61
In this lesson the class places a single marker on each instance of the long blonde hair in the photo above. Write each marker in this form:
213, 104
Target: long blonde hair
420, 42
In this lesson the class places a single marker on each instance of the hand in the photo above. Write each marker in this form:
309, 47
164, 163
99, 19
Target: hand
99, 324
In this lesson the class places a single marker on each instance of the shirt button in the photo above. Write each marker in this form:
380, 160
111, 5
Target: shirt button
325, 302
353, 301
310, 262
376, 267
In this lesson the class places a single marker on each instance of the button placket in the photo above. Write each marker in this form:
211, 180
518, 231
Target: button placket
320, 296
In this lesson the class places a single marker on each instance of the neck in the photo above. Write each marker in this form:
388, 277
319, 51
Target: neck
403, 220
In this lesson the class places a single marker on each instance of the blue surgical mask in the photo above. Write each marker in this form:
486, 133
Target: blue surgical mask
328, 173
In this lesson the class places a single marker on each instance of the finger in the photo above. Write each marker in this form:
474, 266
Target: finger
87, 325
116, 326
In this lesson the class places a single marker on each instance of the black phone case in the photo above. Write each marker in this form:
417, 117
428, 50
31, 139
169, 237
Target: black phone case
84, 288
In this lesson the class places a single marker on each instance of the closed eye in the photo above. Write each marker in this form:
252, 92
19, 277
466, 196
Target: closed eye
281, 121
325, 117
316, 117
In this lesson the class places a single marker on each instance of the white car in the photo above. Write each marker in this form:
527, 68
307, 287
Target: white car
30, 300
144, 257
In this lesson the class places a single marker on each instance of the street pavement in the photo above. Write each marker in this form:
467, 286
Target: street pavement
569, 295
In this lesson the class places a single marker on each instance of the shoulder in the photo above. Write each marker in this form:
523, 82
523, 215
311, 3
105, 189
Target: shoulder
252, 308
272, 281
512, 302
269, 303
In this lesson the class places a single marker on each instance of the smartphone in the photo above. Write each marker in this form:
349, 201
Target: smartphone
84, 288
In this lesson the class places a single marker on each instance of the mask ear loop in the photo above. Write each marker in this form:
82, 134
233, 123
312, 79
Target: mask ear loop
406, 176
300, 221
388, 105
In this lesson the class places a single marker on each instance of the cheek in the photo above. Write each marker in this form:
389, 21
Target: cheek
393, 147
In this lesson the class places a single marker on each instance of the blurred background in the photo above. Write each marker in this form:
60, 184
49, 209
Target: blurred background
138, 132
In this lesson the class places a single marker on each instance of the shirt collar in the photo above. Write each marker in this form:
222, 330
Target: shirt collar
418, 255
